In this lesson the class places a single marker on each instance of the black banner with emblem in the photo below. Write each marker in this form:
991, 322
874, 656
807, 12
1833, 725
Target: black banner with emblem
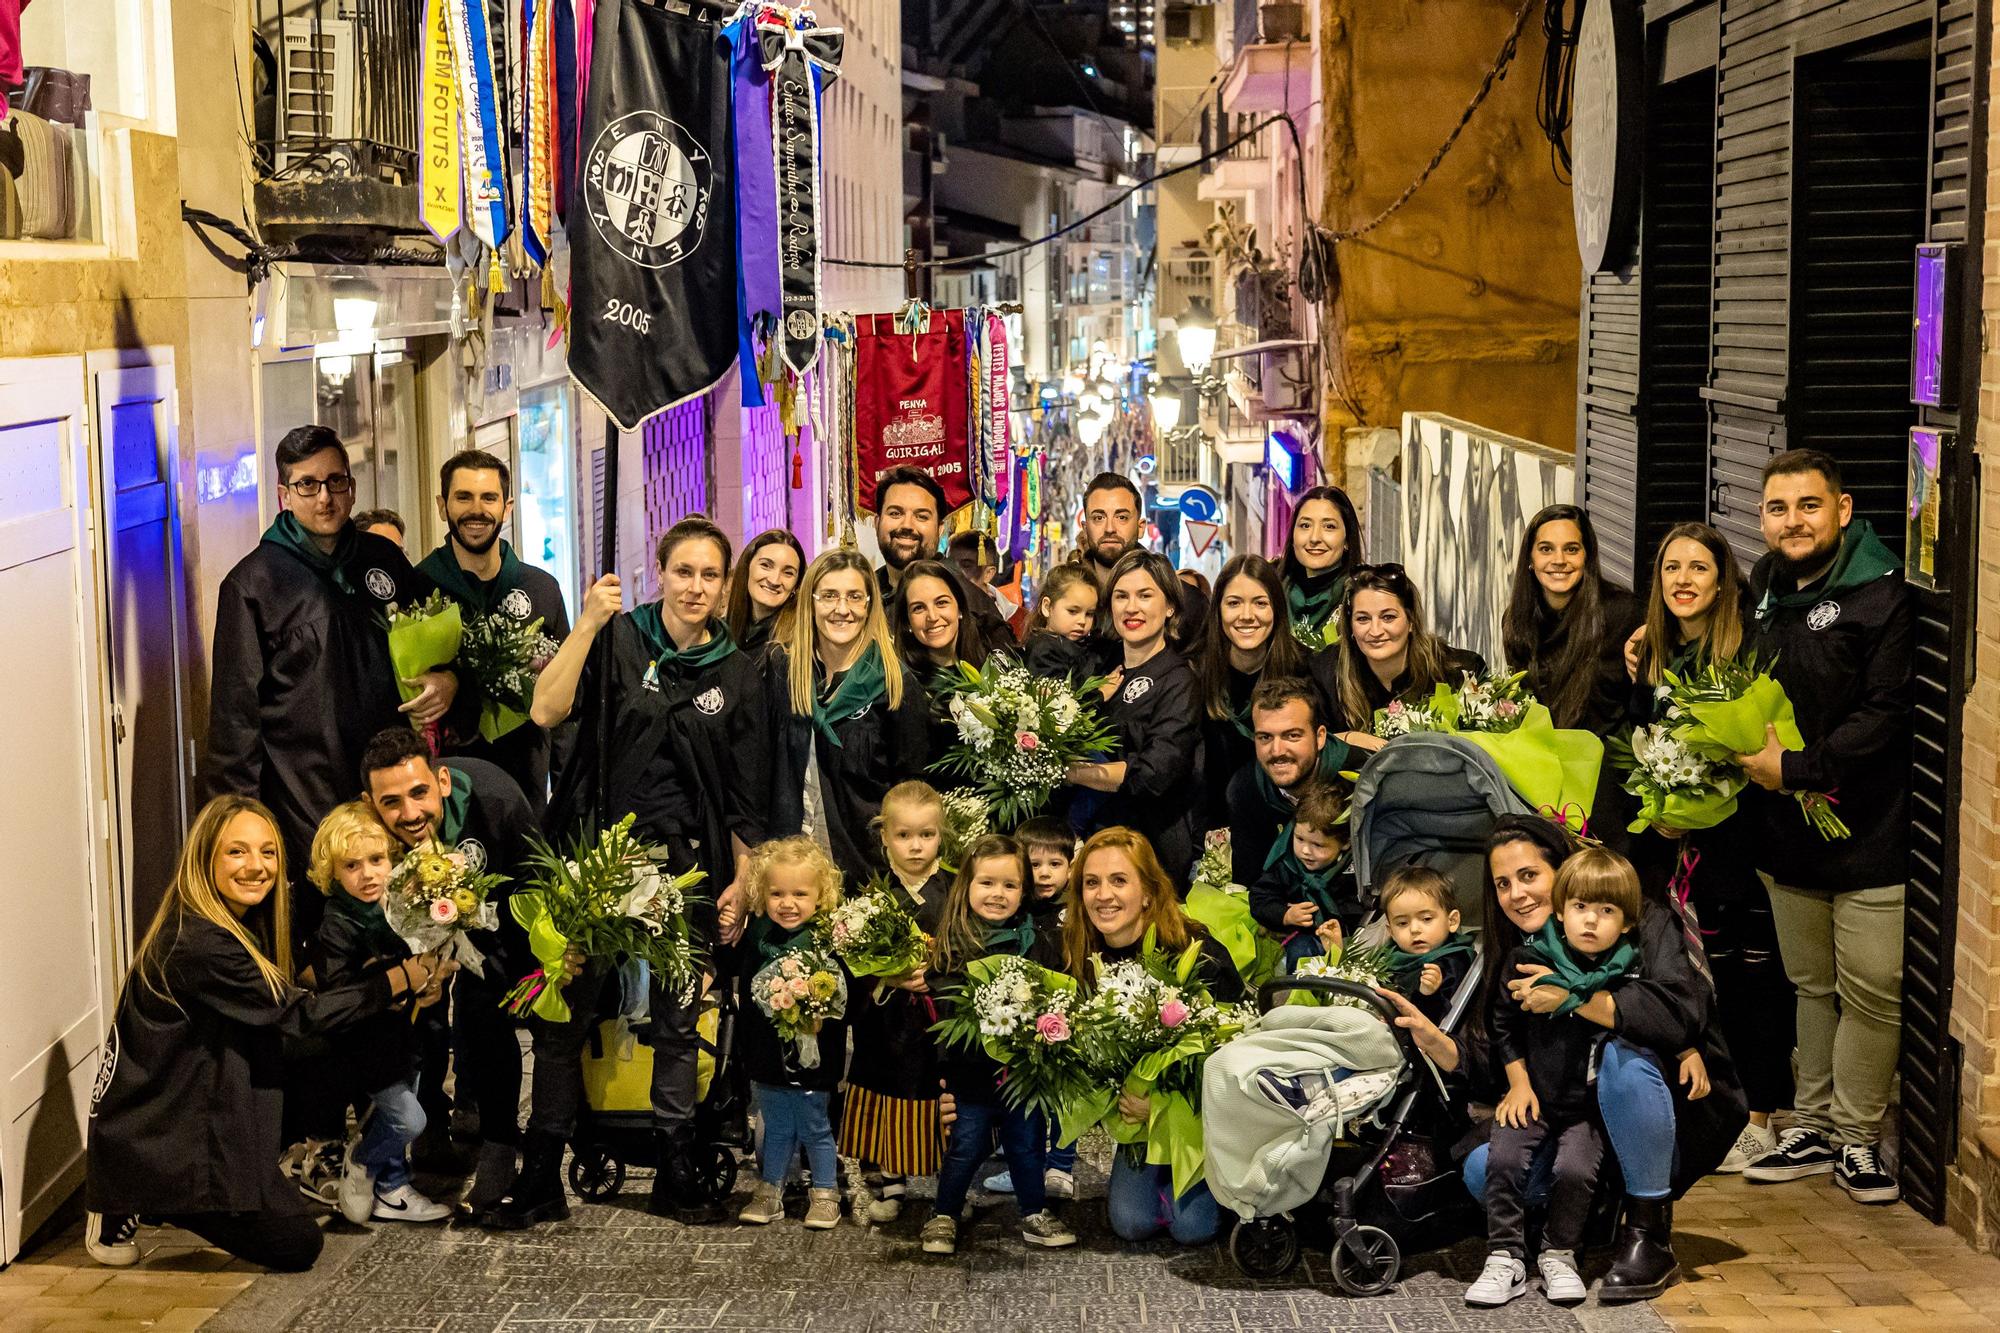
653, 254
802, 62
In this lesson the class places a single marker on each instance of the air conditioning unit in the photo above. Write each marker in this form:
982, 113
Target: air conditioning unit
1285, 382
316, 81
1188, 25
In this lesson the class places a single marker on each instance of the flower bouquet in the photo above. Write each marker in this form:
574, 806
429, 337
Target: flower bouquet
1677, 785
874, 935
1019, 733
608, 898
798, 991
1223, 906
966, 821
423, 638
434, 897
1722, 708
1362, 966
1401, 718
1550, 766
503, 656
1146, 1030
1020, 1014
1313, 637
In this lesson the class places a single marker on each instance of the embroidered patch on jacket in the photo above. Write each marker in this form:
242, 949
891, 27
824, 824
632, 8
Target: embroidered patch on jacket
1135, 689
1822, 615
710, 700
380, 583
474, 852
517, 605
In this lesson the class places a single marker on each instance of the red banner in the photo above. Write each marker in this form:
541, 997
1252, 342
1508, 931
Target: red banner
910, 407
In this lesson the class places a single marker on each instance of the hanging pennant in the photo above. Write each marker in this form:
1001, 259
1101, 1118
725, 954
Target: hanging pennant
759, 295
910, 404
537, 128
479, 120
438, 172
801, 62
653, 258
566, 109
998, 421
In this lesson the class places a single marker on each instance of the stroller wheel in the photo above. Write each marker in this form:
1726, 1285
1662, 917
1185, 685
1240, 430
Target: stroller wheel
714, 1171
595, 1174
1264, 1247
1366, 1261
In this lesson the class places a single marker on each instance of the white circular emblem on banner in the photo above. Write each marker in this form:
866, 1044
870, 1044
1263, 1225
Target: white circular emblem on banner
1136, 688
1822, 615
710, 700
380, 583
647, 187
516, 604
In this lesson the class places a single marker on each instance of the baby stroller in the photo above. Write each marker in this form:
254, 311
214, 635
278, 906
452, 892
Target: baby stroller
615, 1130
1432, 799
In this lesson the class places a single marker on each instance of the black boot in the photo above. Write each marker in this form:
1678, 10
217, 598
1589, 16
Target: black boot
537, 1194
1645, 1266
677, 1191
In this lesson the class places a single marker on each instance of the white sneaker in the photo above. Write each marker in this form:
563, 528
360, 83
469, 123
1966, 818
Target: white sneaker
1046, 1230
1561, 1283
1503, 1278
356, 1197
1057, 1184
112, 1238
880, 1211
404, 1204
1002, 1183
1754, 1142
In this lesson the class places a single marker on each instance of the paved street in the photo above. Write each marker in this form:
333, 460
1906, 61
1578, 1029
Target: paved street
1799, 1258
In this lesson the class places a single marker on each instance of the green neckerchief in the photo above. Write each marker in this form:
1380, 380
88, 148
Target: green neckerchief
859, 687
1241, 716
1862, 559
1316, 885
774, 941
1314, 598
678, 663
287, 533
1016, 939
376, 934
1570, 975
458, 583
457, 806
1457, 943
1331, 757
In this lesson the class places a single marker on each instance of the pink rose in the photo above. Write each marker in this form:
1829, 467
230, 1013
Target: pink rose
781, 1000
798, 986
1028, 740
1395, 707
1506, 708
1052, 1027
1172, 1014
443, 911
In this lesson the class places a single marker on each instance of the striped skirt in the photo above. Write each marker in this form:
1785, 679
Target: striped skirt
900, 1135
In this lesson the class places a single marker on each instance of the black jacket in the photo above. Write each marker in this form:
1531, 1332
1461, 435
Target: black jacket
1276, 887
1604, 711
1326, 674
186, 1117
1156, 713
879, 747
524, 593
1559, 1050
1433, 1006
301, 682
1056, 657
1258, 811
352, 946
691, 758
893, 1051
774, 1060
1227, 745
1844, 658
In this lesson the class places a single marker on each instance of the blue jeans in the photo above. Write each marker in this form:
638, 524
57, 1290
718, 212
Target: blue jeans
795, 1118
1301, 945
1637, 1109
1142, 1204
1060, 1158
395, 1118
1022, 1138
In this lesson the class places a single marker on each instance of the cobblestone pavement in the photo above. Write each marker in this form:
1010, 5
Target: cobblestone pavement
1783, 1258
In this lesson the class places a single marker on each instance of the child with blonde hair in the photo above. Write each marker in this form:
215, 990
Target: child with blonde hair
352, 857
889, 1121
790, 882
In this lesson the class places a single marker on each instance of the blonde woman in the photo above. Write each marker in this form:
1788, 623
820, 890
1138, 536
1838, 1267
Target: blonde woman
184, 1128
856, 725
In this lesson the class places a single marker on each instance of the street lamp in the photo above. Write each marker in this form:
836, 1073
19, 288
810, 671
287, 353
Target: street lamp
1194, 336
1166, 407
1090, 429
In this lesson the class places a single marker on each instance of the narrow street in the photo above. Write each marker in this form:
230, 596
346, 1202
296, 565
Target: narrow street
1789, 1258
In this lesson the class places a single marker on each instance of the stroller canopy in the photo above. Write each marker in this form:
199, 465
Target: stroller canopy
1432, 798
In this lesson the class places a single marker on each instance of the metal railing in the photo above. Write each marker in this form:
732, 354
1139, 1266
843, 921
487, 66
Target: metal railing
1385, 516
343, 86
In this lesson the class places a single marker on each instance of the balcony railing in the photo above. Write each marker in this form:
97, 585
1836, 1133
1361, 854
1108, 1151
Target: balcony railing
1184, 278
338, 143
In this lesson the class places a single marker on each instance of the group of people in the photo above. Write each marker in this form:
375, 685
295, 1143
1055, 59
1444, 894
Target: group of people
774, 722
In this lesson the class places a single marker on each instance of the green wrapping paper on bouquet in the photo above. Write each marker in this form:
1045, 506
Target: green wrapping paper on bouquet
1226, 916
1721, 710
422, 639
1548, 765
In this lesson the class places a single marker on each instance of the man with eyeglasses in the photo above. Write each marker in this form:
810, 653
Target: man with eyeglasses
301, 676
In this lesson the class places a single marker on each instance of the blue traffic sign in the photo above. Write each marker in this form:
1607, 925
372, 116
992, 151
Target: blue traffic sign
1200, 504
